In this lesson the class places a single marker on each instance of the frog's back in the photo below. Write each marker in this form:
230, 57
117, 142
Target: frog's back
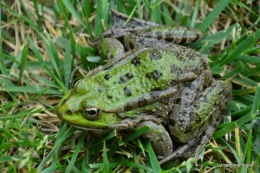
147, 73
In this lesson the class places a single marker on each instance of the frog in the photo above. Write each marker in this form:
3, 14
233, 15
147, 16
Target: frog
157, 82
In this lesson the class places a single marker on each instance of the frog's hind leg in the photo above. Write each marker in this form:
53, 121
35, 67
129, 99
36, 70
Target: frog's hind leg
194, 146
212, 102
197, 110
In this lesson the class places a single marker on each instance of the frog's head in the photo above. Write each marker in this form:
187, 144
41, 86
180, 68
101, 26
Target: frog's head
84, 111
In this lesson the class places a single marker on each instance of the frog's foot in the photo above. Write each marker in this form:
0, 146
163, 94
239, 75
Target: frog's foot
179, 152
159, 137
194, 146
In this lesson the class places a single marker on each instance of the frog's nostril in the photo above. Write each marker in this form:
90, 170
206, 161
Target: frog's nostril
69, 112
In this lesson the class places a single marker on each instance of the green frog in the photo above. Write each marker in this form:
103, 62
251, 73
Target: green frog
156, 83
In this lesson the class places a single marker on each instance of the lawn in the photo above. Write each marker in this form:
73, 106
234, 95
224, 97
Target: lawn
44, 49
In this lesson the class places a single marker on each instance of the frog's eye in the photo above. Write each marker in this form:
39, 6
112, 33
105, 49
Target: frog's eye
91, 113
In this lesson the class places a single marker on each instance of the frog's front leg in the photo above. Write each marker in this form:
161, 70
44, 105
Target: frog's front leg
159, 137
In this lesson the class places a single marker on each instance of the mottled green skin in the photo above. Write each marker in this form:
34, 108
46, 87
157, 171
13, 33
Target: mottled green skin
157, 84
208, 105
129, 84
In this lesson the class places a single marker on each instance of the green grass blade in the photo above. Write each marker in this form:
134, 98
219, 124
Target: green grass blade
136, 133
2, 67
101, 16
221, 5
229, 127
63, 135
241, 47
67, 66
76, 153
105, 158
256, 103
23, 62
21, 17
137, 165
153, 159
72, 10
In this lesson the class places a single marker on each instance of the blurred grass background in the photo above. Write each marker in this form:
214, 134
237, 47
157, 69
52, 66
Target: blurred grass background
43, 48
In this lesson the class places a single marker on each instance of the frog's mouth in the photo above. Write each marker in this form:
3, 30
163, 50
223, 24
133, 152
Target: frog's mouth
91, 129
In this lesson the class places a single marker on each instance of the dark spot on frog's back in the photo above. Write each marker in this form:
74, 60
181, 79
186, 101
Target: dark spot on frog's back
136, 61
99, 90
129, 75
125, 78
109, 96
127, 91
156, 74
155, 55
107, 76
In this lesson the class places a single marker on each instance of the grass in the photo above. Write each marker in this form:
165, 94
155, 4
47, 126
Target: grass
43, 48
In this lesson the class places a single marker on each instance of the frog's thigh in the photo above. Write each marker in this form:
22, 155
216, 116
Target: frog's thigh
159, 137
187, 122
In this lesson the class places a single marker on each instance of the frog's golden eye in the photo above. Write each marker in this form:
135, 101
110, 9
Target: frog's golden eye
91, 113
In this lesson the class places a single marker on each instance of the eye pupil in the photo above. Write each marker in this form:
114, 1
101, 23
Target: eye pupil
92, 112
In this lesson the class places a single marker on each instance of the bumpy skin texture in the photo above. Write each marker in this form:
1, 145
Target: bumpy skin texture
156, 83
